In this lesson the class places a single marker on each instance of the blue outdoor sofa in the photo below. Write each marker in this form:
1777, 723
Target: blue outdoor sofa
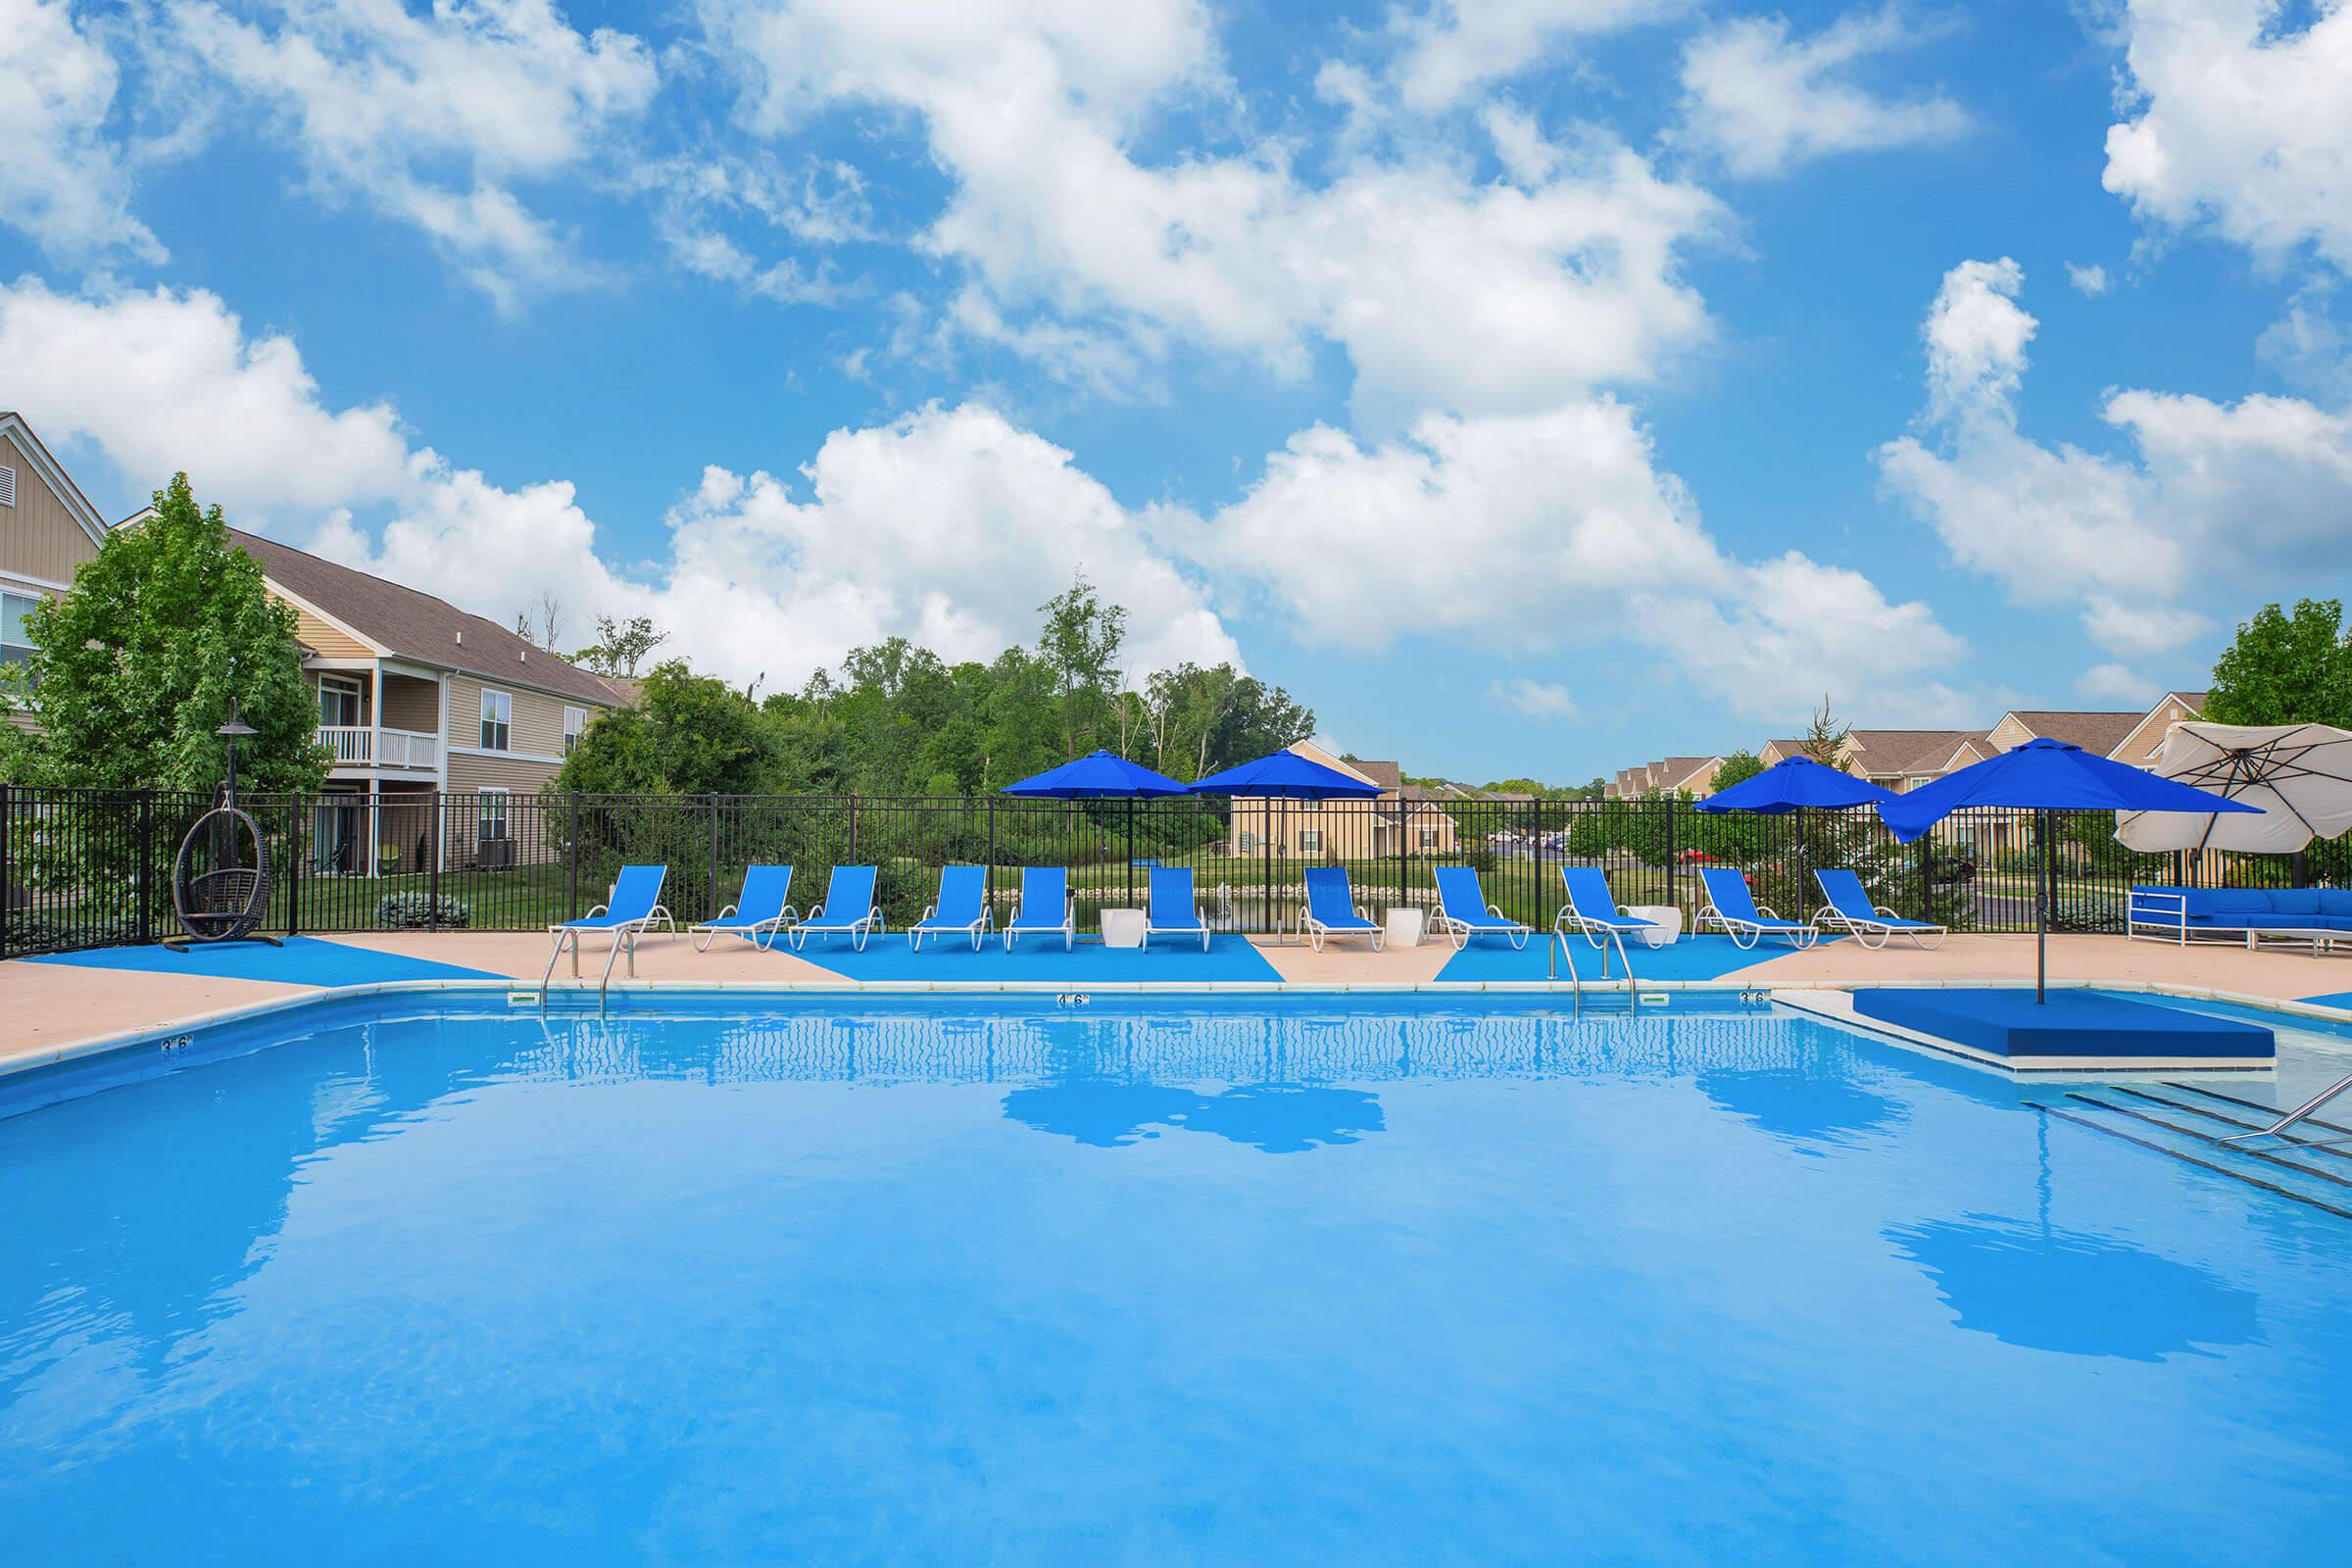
2320, 916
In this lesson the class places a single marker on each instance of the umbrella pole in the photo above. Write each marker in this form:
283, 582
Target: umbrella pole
2041, 907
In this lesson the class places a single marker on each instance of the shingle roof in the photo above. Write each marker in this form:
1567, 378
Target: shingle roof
1388, 775
2093, 732
1907, 751
416, 625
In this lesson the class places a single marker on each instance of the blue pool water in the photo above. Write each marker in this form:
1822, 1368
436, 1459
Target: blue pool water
1165, 1279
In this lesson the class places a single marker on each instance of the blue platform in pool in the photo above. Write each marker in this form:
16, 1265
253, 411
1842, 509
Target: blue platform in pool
1711, 958
887, 957
2070, 1026
302, 962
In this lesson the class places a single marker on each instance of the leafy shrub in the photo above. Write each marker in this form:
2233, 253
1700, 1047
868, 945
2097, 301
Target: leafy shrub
417, 912
51, 931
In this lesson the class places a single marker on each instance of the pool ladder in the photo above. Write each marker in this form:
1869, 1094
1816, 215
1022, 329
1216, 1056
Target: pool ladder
2298, 1114
1559, 949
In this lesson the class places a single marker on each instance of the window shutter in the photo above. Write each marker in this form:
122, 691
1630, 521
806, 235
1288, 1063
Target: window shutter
8, 485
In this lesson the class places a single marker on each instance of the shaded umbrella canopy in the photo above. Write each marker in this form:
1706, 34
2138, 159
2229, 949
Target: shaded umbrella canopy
2045, 775
1794, 783
1096, 776
2299, 776
1286, 774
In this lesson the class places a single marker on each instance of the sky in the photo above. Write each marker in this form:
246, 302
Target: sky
1532, 387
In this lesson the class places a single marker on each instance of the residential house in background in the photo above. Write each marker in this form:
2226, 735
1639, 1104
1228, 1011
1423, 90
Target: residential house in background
1400, 814
2143, 744
416, 694
47, 529
1902, 760
1669, 775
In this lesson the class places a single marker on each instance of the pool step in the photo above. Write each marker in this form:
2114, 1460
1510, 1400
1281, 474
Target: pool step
2190, 1124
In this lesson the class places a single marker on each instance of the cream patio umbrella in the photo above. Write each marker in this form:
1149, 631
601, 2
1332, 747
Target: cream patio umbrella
2298, 775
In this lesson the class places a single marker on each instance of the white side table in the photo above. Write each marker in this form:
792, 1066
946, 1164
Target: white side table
1403, 927
1668, 923
1122, 928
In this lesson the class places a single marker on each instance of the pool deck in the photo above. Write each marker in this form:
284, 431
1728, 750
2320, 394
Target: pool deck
56, 1009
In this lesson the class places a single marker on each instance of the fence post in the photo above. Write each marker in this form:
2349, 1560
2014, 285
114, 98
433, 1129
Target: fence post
1673, 894
712, 903
8, 885
293, 865
571, 857
992, 855
146, 865
439, 823
1404, 866
853, 856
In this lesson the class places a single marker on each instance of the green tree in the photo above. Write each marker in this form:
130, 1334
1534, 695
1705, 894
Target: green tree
1823, 739
1080, 646
1736, 769
135, 666
620, 646
2286, 669
685, 734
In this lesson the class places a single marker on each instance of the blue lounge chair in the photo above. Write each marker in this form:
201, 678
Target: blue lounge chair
1591, 909
634, 905
759, 914
1732, 904
1463, 911
962, 911
1173, 912
848, 910
1047, 908
1332, 910
1850, 910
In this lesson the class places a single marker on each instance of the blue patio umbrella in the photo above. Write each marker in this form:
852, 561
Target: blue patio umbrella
1099, 775
1096, 776
2044, 776
1793, 784
1288, 776
1798, 784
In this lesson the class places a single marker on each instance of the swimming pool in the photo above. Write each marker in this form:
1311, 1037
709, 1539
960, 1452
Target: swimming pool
1169, 1279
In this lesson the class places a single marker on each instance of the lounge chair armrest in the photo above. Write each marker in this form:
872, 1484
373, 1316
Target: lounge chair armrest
593, 914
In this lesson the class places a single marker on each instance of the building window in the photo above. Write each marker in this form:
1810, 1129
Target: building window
575, 720
1248, 843
8, 485
497, 720
1429, 838
490, 816
15, 625
1310, 841
338, 701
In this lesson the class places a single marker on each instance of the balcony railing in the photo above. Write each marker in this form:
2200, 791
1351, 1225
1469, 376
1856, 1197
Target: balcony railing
358, 746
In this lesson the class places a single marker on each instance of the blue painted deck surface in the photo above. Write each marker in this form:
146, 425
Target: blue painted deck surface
302, 962
1710, 958
1039, 960
2070, 1023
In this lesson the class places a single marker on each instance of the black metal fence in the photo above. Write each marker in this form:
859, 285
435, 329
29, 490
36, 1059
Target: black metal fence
83, 869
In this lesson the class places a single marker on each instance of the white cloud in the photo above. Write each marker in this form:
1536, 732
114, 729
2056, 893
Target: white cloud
433, 117
1450, 48
1760, 100
2091, 282
2238, 123
1510, 533
1542, 701
61, 180
2243, 491
2308, 348
1445, 290
2115, 685
950, 525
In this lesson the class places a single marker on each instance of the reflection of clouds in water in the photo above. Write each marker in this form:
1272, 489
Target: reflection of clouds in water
2076, 1294
1278, 1118
1800, 1108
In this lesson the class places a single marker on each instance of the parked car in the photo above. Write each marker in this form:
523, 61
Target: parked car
1695, 857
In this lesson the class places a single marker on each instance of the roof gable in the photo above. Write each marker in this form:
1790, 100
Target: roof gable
52, 473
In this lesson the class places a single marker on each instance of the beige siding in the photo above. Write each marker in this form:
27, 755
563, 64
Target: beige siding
2145, 743
1351, 830
329, 642
537, 729
38, 535
2007, 733
498, 773
412, 705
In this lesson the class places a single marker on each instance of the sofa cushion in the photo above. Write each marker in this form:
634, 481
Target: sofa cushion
2294, 901
2335, 903
2228, 901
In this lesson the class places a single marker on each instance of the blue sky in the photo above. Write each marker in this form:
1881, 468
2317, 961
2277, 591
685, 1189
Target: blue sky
1531, 387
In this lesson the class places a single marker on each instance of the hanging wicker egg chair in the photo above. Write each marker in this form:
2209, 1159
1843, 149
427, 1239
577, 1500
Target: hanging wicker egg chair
220, 877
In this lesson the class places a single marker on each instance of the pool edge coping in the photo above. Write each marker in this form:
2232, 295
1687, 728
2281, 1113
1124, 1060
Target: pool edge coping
175, 1030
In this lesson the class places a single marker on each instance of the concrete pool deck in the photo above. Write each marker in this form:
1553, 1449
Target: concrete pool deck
55, 1009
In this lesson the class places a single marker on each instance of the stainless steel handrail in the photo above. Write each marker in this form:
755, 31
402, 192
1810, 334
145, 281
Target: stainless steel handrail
2298, 1114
